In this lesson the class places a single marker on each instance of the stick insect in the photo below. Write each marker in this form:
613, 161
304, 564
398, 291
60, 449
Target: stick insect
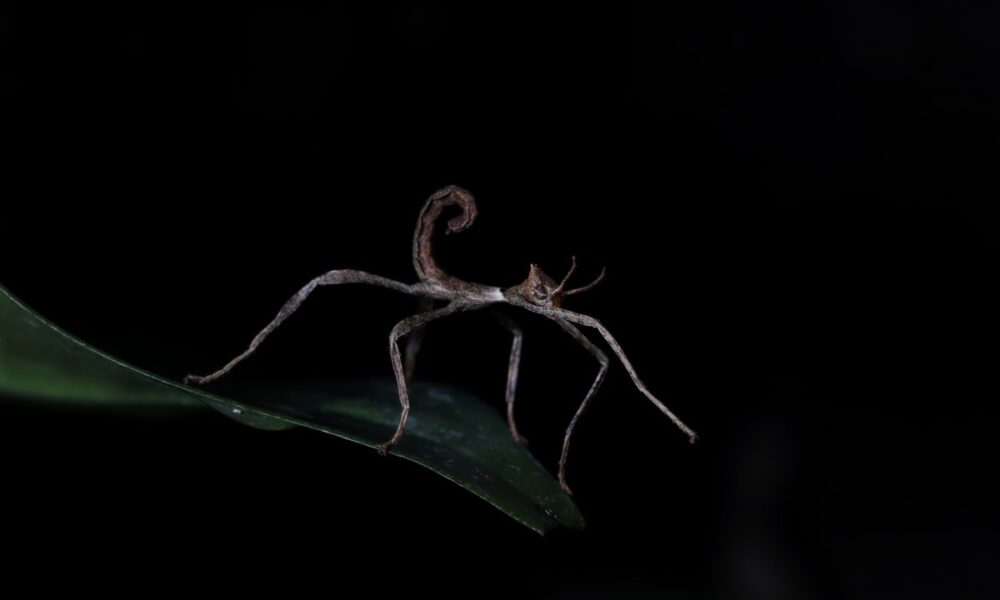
538, 294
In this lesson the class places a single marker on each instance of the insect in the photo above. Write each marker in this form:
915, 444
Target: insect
539, 294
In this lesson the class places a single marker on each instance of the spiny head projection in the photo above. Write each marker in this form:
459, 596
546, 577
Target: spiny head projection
541, 290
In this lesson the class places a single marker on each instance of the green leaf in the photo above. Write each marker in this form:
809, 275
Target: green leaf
450, 432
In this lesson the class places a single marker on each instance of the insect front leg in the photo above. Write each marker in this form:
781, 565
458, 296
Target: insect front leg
602, 358
561, 314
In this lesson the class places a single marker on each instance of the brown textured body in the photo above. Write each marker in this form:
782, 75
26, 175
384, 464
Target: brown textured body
539, 294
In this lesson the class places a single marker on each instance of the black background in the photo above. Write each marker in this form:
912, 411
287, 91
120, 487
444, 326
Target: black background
796, 207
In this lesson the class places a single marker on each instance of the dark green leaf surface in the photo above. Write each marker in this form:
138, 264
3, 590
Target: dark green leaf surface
449, 432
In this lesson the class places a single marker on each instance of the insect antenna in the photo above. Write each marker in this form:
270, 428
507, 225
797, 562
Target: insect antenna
587, 287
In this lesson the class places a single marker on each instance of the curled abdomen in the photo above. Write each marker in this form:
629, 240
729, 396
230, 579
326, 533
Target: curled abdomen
423, 256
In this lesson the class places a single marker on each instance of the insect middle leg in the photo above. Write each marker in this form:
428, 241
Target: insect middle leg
512, 369
415, 340
602, 358
401, 329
